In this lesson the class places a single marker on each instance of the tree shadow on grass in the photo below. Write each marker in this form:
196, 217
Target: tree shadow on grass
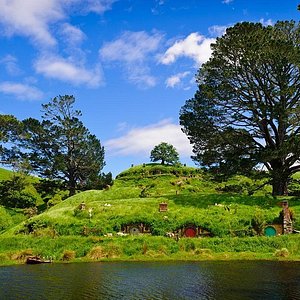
205, 200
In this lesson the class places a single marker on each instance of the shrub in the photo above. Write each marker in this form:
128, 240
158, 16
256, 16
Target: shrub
5, 219
18, 200
14, 193
283, 252
294, 187
203, 251
258, 223
68, 255
97, 253
50, 232
56, 199
30, 212
22, 255
189, 245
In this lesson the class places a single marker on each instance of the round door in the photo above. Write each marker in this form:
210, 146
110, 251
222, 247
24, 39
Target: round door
134, 230
270, 231
190, 232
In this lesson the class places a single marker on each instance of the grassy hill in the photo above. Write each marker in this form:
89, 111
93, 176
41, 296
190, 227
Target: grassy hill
192, 198
5, 174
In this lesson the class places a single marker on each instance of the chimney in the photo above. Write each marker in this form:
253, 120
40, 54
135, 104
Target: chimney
287, 220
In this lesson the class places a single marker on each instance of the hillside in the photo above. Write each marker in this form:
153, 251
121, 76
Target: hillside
135, 197
194, 202
5, 174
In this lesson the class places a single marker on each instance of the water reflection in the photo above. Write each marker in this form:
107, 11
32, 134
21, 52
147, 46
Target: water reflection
168, 280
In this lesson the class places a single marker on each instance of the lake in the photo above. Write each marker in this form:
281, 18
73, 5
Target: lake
152, 280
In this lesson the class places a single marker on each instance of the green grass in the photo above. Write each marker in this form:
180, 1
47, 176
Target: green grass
5, 174
15, 249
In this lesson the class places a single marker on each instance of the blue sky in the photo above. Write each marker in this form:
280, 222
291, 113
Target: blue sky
130, 64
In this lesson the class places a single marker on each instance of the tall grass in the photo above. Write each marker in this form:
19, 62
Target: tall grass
146, 247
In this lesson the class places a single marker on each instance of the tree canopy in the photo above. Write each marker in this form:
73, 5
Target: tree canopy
164, 152
11, 130
246, 110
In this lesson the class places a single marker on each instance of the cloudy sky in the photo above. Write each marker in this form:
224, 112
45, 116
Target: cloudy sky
130, 64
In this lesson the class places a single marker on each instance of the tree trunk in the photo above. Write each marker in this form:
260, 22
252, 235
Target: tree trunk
72, 187
71, 191
279, 186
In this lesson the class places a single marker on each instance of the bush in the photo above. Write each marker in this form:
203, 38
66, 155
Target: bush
22, 255
18, 200
30, 212
5, 219
283, 252
56, 199
97, 253
294, 187
258, 222
15, 194
68, 255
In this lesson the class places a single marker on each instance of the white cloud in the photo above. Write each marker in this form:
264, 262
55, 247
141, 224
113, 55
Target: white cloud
227, 1
72, 34
21, 91
132, 50
10, 63
68, 71
140, 76
176, 79
33, 18
97, 6
140, 141
217, 30
131, 47
266, 22
194, 46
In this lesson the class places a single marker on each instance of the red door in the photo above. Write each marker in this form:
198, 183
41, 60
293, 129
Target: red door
190, 232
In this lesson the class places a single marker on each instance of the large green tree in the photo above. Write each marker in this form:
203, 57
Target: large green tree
165, 152
246, 111
61, 147
11, 130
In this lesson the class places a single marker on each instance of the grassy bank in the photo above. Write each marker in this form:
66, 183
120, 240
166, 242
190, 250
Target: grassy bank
14, 250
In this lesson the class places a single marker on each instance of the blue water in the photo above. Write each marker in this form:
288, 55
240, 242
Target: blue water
155, 280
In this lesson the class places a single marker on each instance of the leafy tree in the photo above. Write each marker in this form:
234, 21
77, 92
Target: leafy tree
48, 188
246, 111
61, 147
13, 193
164, 152
99, 182
10, 131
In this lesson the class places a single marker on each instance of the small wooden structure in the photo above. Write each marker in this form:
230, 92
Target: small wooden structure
82, 206
163, 207
136, 229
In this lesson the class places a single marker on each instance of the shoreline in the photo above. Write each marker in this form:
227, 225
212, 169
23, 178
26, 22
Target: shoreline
163, 260
76, 249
